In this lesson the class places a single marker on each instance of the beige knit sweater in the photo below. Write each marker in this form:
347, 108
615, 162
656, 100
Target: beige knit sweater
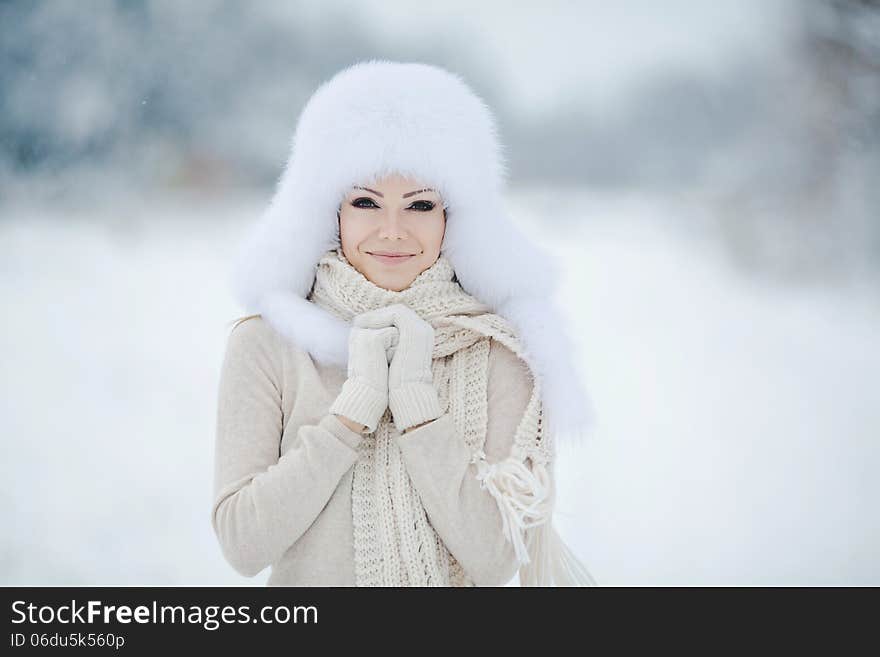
283, 467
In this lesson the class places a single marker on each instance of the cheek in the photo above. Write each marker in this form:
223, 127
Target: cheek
351, 233
430, 234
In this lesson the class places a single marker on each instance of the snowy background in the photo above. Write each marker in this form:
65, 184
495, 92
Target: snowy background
708, 174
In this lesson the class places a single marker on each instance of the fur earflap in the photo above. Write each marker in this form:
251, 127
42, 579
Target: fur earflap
373, 119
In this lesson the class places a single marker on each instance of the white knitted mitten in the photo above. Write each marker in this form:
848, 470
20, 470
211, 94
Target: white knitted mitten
364, 395
412, 396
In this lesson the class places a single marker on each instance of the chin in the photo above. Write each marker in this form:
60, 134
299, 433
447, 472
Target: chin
395, 283
394, 286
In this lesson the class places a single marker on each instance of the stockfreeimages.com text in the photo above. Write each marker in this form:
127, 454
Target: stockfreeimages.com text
210, 617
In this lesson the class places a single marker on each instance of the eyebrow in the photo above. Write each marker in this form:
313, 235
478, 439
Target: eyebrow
407, 195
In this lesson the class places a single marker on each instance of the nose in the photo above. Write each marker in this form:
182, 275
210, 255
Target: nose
391, 227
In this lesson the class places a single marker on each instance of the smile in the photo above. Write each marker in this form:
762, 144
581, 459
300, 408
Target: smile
392, 259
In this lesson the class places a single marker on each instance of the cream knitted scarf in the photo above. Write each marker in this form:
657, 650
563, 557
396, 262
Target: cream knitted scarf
394, 543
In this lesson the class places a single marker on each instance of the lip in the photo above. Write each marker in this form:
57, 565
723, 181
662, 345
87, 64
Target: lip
391, 259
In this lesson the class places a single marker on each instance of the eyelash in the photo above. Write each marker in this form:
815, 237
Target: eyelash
365, 198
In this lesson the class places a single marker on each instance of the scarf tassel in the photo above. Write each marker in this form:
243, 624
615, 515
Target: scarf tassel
525, 499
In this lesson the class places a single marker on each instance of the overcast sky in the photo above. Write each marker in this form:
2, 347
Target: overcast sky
556, 49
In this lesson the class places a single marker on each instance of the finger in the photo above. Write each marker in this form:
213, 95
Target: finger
389, 335
390, 338
397, 314
406, 316
378, 318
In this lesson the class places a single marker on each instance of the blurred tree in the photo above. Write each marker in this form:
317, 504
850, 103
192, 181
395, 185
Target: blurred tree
806, 205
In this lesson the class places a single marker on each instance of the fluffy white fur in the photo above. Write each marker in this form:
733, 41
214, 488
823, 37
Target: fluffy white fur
379, 117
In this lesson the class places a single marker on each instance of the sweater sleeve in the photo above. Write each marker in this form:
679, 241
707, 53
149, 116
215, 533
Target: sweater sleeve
263, 503
466, 516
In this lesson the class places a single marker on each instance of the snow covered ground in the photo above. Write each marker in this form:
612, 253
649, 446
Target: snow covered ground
738, 422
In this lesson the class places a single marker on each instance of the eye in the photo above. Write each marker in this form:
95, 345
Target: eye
426, 207
357, 202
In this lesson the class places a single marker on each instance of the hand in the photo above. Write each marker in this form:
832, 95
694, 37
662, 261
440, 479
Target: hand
354, 426
412, 396
364, 395
413, 428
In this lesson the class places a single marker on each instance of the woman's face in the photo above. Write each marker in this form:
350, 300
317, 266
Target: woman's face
391, 231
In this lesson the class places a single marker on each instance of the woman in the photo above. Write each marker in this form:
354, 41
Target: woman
388, 418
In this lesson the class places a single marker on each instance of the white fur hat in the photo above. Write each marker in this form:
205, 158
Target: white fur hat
379, 117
